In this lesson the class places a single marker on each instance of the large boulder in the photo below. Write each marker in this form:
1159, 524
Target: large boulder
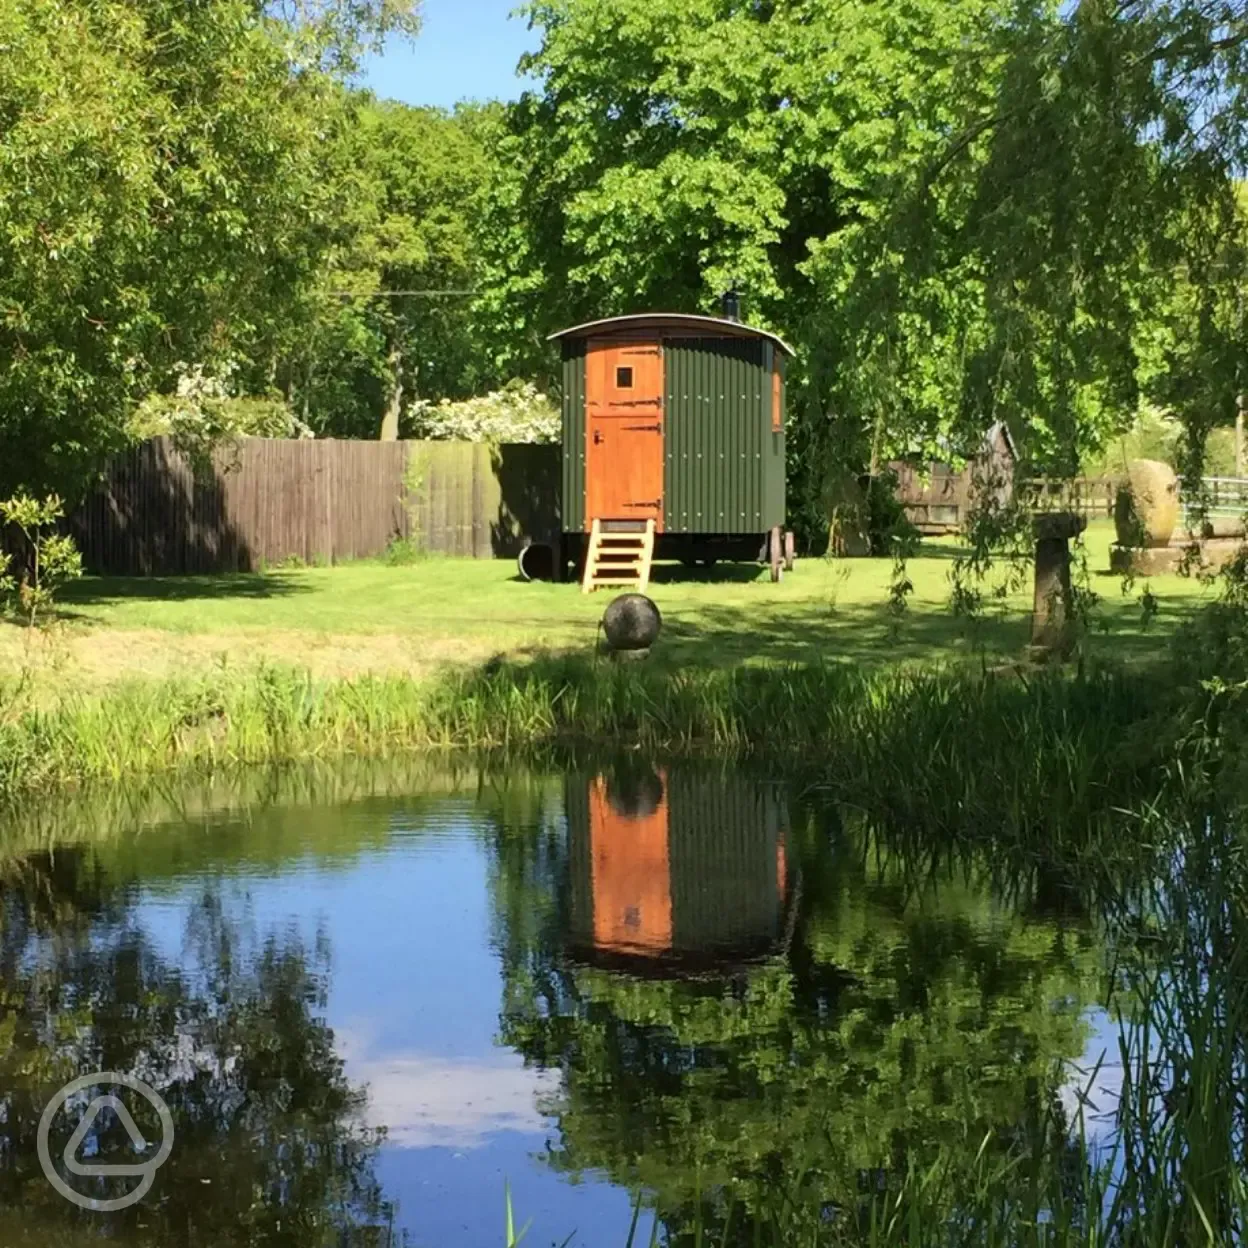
1146, 509
631, 622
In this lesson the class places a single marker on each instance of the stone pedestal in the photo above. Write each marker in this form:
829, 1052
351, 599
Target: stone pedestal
1051, 625
628, 656
1210, 554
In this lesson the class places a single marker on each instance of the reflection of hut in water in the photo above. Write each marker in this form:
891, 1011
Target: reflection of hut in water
675, 871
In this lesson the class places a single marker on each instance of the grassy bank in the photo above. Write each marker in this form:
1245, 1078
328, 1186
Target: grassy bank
1034, 751
1012, 748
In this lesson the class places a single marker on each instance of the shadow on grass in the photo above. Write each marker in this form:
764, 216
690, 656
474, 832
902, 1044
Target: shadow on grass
93, 591
946, 550
869, 633
720, 574
746, 571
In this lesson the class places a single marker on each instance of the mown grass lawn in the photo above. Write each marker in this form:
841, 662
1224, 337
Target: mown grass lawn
371, 617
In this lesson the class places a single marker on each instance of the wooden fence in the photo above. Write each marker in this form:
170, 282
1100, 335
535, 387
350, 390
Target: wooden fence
318, 500
940, 501
1089, 496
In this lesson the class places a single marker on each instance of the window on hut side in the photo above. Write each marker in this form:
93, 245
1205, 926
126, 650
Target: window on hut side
623, 378
777, 416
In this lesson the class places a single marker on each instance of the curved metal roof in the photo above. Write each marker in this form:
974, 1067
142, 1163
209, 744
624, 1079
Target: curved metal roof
673, 320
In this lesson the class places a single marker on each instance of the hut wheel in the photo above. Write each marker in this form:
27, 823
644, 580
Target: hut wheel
775, 550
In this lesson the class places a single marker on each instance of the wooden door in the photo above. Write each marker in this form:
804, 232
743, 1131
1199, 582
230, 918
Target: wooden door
631, 876
624, 431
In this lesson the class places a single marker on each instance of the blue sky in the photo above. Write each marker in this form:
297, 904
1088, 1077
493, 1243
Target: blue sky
467, 50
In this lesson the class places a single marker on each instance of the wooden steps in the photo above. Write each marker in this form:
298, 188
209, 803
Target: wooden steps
619, 555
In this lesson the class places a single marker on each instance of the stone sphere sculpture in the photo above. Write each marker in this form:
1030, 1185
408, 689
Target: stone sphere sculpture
635, 794
1146, 510
631, 622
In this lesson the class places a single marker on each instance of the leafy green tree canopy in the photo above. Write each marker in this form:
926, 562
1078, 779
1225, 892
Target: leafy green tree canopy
960, 213
161, 201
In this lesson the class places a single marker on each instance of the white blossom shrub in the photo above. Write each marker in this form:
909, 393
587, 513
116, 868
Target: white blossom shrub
518, 413
203, 413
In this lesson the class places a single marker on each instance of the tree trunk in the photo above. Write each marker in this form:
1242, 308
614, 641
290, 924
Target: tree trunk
390, 421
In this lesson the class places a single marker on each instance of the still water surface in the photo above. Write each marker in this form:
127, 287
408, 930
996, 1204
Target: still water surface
371, 1004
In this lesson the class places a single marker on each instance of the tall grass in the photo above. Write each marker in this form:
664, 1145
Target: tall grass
1026, 752
1171, 1170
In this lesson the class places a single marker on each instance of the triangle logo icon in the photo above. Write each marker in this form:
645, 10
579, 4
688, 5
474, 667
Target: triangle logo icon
124, 1116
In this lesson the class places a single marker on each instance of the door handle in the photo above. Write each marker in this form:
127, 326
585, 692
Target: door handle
597, 438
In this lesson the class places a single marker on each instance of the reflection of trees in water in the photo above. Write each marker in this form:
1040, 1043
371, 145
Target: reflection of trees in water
269, 1142
916, 1013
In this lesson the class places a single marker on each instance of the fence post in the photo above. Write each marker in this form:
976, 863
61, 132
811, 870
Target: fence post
1241, 402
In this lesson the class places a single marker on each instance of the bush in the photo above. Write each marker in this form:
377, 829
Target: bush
401, 552
888, 526
517, 413
51, 558
202, 413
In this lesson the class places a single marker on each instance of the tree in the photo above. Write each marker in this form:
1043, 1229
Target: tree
164, 204
670, 153
959, 213
409, 185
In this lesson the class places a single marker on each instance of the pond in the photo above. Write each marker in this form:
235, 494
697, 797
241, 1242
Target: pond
375, 1002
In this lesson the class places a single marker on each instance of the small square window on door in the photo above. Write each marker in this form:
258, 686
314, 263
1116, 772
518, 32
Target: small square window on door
623, 378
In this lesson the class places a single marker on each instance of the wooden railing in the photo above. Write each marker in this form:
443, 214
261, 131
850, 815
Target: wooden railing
1088, 496
1224, 497
938, 509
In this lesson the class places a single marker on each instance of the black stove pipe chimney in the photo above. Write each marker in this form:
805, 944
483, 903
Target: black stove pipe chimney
730, 302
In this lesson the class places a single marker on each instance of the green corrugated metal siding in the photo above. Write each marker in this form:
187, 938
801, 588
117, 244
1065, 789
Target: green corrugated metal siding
719, 446
574, 435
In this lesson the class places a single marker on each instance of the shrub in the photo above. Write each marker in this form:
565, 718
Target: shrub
202, 413
517, 413
51, 558
402, 551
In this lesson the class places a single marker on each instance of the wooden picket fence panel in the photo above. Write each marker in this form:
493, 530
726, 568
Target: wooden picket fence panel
267, 500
